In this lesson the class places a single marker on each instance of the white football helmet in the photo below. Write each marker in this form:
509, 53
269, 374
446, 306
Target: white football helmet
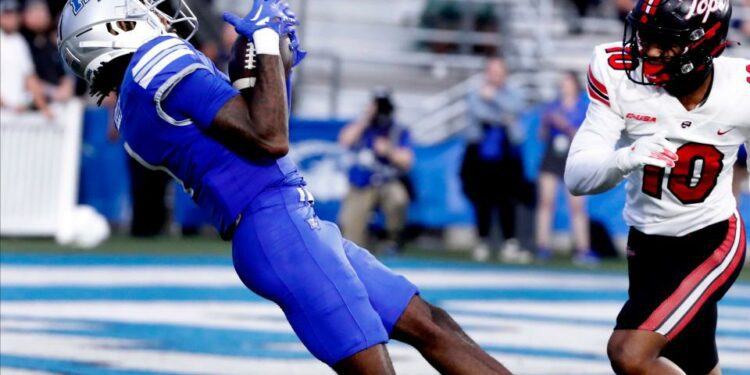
92, 33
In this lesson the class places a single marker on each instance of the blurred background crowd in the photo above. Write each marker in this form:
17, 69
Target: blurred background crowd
418, 123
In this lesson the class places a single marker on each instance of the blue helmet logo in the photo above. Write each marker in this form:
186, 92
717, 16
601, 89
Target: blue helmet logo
77, 5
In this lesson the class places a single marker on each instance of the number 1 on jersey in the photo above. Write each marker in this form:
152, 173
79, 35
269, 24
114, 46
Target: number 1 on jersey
693, 177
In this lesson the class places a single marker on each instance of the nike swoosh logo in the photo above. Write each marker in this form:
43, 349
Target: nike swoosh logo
257, 15
719, 132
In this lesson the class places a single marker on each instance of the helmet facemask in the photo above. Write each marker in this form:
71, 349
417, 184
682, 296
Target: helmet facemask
686, 43
676, 64
182, 17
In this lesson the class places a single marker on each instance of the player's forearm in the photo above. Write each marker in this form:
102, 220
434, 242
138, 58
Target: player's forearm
234, 128
267, 106
592, 171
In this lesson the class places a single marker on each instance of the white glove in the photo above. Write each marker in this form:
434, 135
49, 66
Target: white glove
653, 150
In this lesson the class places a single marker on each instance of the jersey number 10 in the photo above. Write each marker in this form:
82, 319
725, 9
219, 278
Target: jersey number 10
693, 177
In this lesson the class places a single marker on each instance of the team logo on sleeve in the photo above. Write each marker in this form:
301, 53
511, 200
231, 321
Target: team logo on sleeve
639, 117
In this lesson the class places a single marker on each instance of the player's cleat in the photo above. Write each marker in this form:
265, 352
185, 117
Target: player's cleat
481, 253
588, 259
511, 252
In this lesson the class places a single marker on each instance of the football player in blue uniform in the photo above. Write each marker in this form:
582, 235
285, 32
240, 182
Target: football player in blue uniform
177, 112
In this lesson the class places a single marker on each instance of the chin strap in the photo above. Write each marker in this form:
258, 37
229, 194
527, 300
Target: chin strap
686, 84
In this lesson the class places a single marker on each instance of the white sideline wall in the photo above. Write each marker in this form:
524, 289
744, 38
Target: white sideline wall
39, 167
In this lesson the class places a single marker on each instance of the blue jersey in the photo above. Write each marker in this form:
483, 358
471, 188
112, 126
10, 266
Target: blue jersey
574, 116
168, 99
369, 170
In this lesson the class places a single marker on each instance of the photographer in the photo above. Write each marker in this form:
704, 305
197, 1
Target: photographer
383, 155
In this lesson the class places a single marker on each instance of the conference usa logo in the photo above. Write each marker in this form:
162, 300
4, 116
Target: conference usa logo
77, 5
706, 7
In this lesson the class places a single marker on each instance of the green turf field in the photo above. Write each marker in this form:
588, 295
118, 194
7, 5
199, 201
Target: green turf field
213, 246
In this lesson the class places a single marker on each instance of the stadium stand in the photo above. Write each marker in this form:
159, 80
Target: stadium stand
357, 45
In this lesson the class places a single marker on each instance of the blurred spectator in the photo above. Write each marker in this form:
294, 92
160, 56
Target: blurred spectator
560, 121
224, 46
491, 171
148, 187
42, 39
582, 9
624, 7
211, 49
486, 21
741, 175
741, 19
148, 190
583, 6
449, 14
20, 89
383, 156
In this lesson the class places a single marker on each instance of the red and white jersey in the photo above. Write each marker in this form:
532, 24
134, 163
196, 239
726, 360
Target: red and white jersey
675, 201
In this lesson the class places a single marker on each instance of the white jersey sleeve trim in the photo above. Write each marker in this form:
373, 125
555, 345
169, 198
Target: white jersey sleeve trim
153, 52
172, 57
167, 87
591, 166
152, 167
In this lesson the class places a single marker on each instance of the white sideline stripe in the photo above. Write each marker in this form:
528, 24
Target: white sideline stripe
133, 354
129, 355
15, 371
161, 65
221, 276
246, 316
151, 54
731, 318
241, 317
693, 297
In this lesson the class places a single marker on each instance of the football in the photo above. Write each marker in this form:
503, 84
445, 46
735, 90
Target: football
243, 62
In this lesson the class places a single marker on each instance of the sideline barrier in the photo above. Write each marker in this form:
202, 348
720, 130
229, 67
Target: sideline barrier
39, 163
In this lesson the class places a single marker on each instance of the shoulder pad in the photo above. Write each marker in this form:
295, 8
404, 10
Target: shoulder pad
163, 58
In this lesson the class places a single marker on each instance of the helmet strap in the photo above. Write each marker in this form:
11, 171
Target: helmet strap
687, 84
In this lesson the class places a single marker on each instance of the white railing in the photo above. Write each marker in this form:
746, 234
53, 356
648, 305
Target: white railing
39, 161
444, 113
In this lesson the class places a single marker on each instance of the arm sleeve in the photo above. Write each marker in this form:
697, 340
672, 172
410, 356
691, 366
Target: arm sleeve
513, 101
592, 160
198, 96
26, 62
483, 110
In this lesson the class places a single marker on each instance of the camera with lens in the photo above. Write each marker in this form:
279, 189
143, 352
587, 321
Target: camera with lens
384, 109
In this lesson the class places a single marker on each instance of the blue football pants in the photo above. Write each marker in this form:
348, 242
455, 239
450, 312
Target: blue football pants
337, 297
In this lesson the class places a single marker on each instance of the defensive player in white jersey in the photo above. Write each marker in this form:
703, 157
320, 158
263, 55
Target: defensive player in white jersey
669, 115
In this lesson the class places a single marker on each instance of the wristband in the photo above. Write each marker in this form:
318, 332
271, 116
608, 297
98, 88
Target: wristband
266, 42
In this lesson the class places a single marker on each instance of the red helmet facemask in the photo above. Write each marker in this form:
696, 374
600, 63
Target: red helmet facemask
658, 70
688, 40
